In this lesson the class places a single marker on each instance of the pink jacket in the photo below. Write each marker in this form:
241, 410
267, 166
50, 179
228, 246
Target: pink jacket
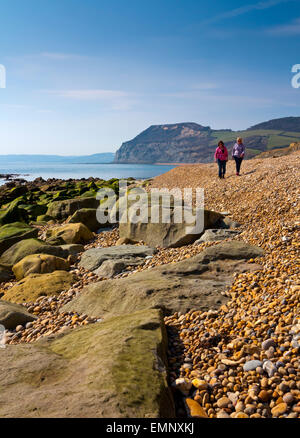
221, 155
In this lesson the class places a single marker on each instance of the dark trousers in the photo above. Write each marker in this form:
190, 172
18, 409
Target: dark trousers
222, 167
238, 162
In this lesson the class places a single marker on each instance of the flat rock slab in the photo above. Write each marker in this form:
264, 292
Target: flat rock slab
12, 315
215, 234
93, 258
111, 369
195, 283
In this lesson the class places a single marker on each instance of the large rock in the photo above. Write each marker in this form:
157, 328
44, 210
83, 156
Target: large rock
93, 258
195, 283
13, 233
39, 264
63, 209
70, 233
12, 315
34, 246
213, 235
163, 234
13, 214
86, 216
36, 285
111, 369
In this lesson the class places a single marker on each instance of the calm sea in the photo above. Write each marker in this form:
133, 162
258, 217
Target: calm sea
76, 171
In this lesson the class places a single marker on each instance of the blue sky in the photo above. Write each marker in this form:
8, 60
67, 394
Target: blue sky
84, 76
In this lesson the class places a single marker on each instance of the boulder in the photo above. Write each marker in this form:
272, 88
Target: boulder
215, 234
12, 315
13, 233
111, 369
39, 264
36, 285
30, 246
195, 283
70, 233
86, 216
163, 233
12, 213
226, 222
72, 249
62, 209
93, 258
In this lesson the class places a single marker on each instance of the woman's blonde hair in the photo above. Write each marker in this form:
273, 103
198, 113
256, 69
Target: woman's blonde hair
239, 138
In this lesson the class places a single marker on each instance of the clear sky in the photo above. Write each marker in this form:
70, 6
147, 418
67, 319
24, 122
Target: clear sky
82, 76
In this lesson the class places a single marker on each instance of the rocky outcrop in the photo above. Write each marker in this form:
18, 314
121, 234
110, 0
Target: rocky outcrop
12, 315
192, 143
112, 369
36, 285
39, 264
195, 283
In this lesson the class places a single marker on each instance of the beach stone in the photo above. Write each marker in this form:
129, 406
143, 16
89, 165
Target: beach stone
65, 208
213, 235
166, 235
13, 233
86, 216
39, 264
223, 414
183, 385
93, 258
223, 402
12, 315
194, 409
268, 343
269, 367
252, 365
288, 398
124, 363
70, 233
36, 285
196, 282
279, 409
110, 268
29, 246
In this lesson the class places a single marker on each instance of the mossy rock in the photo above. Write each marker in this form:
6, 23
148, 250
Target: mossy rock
89, 194
62, 209
44, 218
13, 214
70, 233
36, 209
13, 233
39, 264
29, 246
35, 285
111, 369
86, 216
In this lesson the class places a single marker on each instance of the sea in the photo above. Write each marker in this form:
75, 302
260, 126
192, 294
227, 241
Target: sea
30, 171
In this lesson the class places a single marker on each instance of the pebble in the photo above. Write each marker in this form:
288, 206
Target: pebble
252, 365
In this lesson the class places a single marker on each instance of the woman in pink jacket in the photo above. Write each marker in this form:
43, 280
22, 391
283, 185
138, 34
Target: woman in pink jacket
221, 157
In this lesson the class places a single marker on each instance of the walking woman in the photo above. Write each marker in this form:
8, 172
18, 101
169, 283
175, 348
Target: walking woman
221, 157
238, 153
